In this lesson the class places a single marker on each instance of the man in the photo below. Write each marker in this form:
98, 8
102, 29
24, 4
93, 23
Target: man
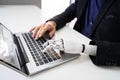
97, 19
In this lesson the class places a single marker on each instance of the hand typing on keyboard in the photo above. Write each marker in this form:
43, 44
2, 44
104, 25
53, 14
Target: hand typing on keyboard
63, 45
56, 45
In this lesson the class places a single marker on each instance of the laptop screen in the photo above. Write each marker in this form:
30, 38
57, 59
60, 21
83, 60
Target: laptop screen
8, 49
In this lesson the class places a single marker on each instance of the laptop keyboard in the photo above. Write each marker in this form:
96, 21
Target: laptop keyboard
35, 47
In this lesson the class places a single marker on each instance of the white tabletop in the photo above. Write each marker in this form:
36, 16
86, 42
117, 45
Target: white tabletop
22, 18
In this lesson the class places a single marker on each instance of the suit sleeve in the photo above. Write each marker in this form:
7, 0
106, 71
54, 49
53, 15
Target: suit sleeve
108, 54
65, 17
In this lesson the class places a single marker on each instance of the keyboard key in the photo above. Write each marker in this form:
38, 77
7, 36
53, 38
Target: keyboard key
45, 60
50, 59
37, 64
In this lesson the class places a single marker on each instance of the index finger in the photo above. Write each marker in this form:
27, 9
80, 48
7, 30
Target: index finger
31, 29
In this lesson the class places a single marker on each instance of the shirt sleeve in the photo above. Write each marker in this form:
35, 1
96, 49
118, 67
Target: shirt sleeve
90, 49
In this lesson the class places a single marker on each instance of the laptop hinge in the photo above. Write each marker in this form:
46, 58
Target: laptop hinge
21, 52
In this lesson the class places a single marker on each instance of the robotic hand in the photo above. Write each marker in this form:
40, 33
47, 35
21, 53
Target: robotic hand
63, 46
69, 47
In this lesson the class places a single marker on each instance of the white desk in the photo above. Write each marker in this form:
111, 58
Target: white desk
22, 18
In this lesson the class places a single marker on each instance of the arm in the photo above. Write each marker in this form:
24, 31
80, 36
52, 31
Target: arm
101, 53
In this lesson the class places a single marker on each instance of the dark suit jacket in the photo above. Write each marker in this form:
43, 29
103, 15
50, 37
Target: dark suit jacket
105, 31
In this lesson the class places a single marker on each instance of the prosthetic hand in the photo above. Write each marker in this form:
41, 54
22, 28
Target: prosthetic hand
63, 45
69, 47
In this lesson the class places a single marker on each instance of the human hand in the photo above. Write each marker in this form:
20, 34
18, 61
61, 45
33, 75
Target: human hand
48, 28
64, 46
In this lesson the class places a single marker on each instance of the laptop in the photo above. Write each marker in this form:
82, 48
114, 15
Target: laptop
24, 54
